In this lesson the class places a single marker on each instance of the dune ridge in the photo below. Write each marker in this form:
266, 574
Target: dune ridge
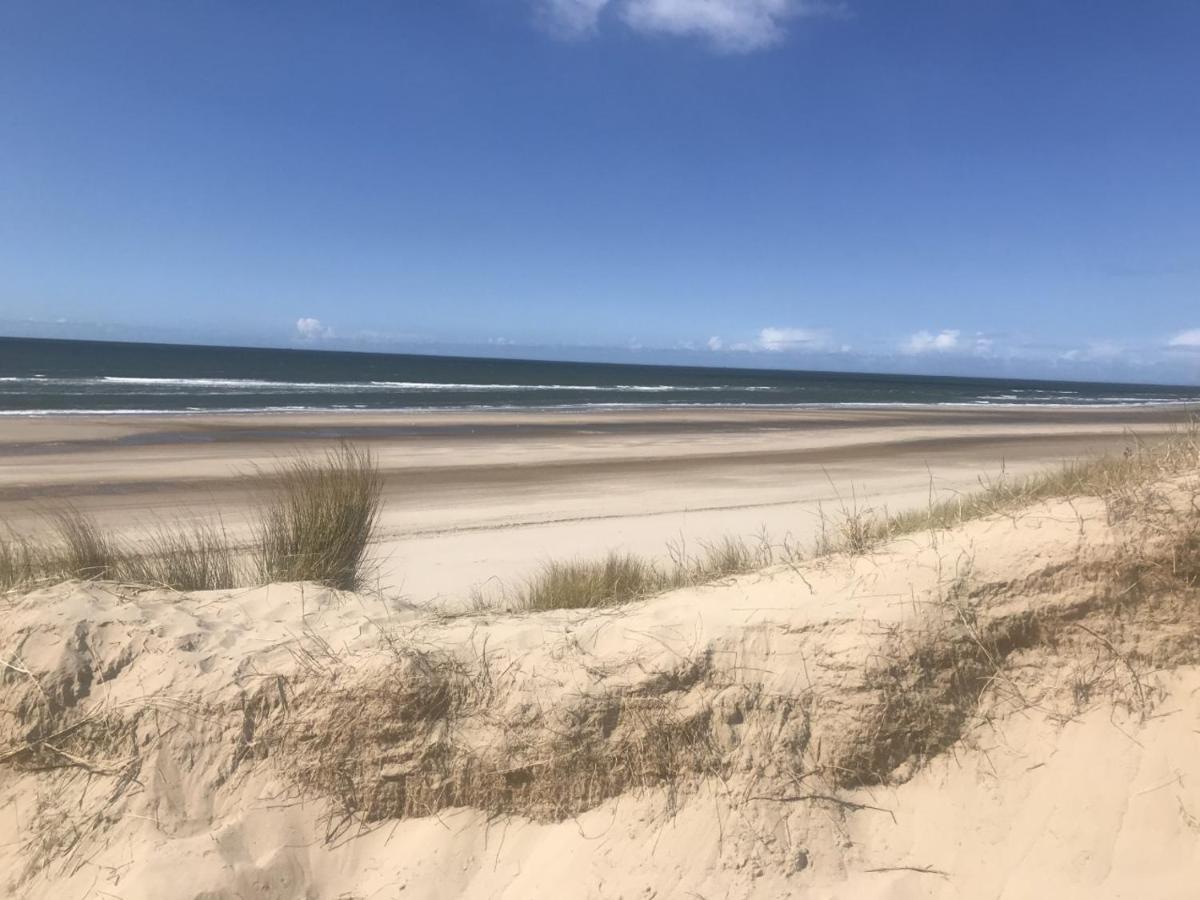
1003, 707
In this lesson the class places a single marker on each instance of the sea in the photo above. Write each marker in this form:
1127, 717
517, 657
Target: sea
52, 377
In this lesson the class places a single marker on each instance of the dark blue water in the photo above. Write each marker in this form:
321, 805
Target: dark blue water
48, 376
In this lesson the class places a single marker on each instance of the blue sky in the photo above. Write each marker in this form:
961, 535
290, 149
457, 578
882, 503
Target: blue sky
971, 186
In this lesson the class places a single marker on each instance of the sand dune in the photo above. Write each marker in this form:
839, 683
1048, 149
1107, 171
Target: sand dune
1004, 709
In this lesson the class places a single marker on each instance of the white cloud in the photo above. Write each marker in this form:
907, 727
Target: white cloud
715, 343
776, 340
310, 329
1189, 339
735, 26
928, 342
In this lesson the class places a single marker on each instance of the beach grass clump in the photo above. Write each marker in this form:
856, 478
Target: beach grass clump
586, 584
18, 561
80, 548
195, 557
74, 546
317, 524
720, 559
314, 526
620, 578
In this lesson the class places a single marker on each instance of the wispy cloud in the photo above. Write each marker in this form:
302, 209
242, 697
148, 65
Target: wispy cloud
928, 342
777, 340
715, 343
731, 26
1096, 351
1189, 340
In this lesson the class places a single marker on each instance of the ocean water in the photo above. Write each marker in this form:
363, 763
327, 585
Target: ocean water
40, 377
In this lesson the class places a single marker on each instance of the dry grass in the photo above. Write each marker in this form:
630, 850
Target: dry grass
721, 559
74, 547
623, 578
317, 524
82, 549
929, 681
1109, 622
182, 557
18, 562
616, 579
188, 558
431, 732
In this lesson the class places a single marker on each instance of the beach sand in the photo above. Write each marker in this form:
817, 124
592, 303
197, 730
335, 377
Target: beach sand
479, 500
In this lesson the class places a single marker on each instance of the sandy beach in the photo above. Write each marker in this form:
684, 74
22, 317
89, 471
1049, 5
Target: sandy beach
480, 499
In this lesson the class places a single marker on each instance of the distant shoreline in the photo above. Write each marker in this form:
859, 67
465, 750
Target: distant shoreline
595, 408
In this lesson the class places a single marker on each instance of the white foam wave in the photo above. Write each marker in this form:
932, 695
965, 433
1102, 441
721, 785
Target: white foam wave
483, 407
251, 384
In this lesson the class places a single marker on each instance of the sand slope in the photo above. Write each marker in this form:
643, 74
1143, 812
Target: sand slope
952, 715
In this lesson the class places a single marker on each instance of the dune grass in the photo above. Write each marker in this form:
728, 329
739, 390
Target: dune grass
193, 557
582, 584
181, 557
73, 547
623, 577
82, 549
18, 564
315, 525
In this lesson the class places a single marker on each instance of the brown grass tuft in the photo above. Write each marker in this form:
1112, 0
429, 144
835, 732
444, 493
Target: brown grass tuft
19, 564
315, 526
199, 557
616, 579
624, 578
928, 684
318, 523
82, 549
395, 745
